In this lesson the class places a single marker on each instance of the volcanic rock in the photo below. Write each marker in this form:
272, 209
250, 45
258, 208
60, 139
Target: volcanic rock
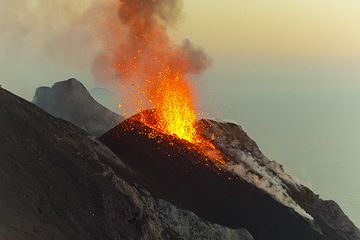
171, 169
70, 101
57, 182
251, 164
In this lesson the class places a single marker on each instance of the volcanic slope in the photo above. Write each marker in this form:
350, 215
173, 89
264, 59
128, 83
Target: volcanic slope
248, 191
247, 161
56, 183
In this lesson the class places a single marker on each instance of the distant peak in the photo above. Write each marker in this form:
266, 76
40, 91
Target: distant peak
73, 82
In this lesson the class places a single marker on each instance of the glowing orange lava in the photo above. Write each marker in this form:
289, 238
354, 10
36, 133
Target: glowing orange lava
173, 100
154, 69
163, 86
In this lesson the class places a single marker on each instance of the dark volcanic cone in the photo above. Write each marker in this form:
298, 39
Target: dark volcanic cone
171, 169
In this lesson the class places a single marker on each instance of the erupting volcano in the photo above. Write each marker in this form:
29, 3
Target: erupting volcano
154, 70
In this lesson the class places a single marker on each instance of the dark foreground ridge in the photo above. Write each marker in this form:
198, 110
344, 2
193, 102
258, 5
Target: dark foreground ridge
167, 167
56, 183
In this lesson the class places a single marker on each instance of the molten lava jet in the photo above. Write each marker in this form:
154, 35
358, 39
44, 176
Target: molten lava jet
155, 71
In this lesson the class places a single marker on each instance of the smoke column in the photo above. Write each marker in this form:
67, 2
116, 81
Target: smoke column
140, 41
154, 70
124, 41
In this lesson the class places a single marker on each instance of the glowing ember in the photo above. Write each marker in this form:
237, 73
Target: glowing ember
154, 70
176, 111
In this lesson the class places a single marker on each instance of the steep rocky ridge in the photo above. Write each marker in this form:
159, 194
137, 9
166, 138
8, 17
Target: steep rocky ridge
70, 100
56, 183
251, 164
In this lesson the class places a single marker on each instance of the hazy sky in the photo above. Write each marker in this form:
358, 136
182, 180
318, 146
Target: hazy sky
287, 71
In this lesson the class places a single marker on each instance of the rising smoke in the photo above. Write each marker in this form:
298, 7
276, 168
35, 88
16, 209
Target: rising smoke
64, 30
79, 32
142, 40
141, 58
168, 11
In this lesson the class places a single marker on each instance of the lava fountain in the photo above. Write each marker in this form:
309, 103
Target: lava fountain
155, 70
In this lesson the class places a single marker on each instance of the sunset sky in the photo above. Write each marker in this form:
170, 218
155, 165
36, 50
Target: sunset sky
306, 30
287, 71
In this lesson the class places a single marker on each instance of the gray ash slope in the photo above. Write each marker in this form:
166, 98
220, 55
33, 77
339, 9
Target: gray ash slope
248, 162
56, 183
70, 100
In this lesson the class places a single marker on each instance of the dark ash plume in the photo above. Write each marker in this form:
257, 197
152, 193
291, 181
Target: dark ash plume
143, 29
